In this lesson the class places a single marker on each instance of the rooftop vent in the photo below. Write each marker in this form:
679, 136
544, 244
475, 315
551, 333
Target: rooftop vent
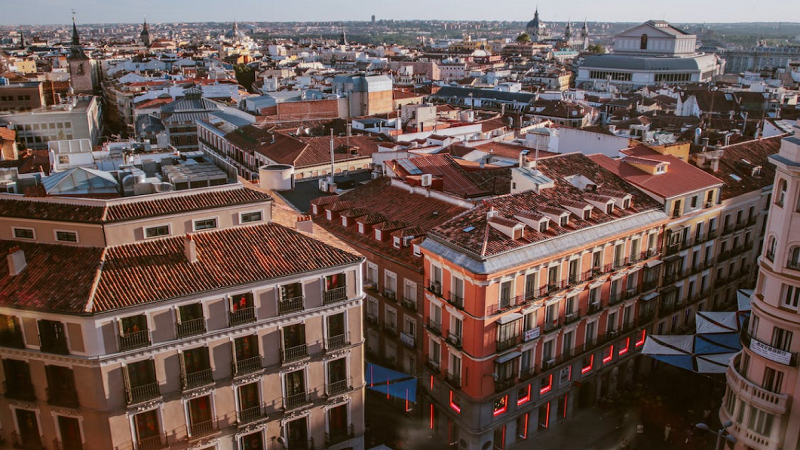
190, 248
16, 261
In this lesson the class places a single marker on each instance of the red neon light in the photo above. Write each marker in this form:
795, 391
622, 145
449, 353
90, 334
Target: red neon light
431, 382
504, 408
589, 367
406, 400
455, 407
547, 417
610, 355
504, 438
548, 387
624, 350
387, 388
640, 342
431, 417
370, 376
565, 405
526, 398
525, 427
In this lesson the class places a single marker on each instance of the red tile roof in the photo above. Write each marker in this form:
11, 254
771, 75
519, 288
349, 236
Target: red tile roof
755, 152
680, 178
456, 180
151, 271
127, 209
7, 135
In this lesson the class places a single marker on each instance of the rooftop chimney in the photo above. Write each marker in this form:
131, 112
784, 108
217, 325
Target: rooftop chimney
304, 224
16, 261
190, 248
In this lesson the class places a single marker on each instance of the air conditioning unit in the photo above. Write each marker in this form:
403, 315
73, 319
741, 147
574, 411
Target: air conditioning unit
323, 185
549, 363
426, 179
436, 287
613, 333
389, 294
372, 319
572, 316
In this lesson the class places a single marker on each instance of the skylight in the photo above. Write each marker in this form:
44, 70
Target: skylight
468, 229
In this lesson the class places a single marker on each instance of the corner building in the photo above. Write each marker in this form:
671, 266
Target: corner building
763, 382
537, 302
179, 320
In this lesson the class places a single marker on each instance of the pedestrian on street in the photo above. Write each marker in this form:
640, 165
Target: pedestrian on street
667, 430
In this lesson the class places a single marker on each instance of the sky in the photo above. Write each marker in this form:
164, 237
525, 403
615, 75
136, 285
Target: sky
117, 11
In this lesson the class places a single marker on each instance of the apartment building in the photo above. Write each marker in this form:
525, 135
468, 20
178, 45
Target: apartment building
763, 380
385, 220
186, 319
76, 119
537, 302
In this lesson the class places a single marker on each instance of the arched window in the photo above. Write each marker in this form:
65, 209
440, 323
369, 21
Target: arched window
794, 258
771, 244
779, 199
643, 43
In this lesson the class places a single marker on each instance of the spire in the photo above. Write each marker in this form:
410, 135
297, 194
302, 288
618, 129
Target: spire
568, 31
76, 40
144, 36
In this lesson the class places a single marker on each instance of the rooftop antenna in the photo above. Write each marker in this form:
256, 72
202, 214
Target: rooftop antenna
332, 161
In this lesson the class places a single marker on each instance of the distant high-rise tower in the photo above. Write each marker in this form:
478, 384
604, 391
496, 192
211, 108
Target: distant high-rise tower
373, 19
80, 65
144, 36
343, 38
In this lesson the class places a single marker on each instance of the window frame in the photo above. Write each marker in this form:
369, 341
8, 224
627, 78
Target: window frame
32, 230
169, 231
198, 230
77, 237
260, 213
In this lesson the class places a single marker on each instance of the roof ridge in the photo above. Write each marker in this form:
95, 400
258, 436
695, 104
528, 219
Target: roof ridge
96, 282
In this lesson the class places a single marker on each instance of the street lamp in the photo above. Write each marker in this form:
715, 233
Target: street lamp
723, 432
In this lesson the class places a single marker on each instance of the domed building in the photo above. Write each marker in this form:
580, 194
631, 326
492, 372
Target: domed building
235, 34
536, 29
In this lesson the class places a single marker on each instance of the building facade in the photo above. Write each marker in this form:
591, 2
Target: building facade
182, 326
763, 379
79, 118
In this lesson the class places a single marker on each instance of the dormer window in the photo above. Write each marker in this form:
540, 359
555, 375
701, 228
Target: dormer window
361, 228
328, 214
518, 232
543, 226
610, 208
587, 214
396, 242
378, 235
661, 168
315, 209
625, 203
417, 251
344, 221
407, 240
564, 220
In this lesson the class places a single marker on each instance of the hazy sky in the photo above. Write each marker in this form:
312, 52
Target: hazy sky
104, 11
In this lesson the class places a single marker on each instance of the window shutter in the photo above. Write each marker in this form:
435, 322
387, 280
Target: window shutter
126, 379
233, 355
177, 311
120, 329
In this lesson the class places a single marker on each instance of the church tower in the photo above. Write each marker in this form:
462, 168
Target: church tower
568, 32
536, 29
80, 65
585, 34
144, 36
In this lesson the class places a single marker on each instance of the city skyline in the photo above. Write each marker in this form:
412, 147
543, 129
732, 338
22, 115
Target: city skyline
44, 12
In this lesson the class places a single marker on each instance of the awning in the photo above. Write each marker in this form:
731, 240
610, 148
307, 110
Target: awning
743, 299
508, 318
716, 322
502, 359
652, 263
648, 297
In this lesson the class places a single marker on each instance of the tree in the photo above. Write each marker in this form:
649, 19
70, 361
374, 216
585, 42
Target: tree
523, 37
245, 76
596, 48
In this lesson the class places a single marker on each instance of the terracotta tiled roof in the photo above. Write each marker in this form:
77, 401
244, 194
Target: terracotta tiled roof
755, 152
152, 271
6, 134
456, 180
119, 211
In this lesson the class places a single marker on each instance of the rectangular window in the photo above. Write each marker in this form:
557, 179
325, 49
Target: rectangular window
500, 405
24, 233
66, 236
791, 296
524, 395
781, 339
760, 421
773, 380
205, 224
546, 384
151, 232
249, 217
608, 354
522, 426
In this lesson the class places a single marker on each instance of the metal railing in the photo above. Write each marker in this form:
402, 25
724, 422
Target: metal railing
572, 317
294, 353
409, 303
454, 380
794, 265
338, 387
455, 340
527, 373
133, 340
502, 385
434, 326
456, 300
202, 377
142, 393
252, 414
12, 339
338, 294
247, 365
550, 325
22, 391
434, 287
191, 327
202, 429
337, 342
242, 315
157, 442
29, 443
67, 398
72, 445
503, 344
295, 401
290, 305
594, 308
336, 436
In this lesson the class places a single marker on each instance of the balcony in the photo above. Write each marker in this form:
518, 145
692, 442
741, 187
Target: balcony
594, 308
58, 445
12, 338
295, 401
192, 327
203, 429
648, 285
251, 415
338, 387
294, 353
142, 393
794, 265
503, 344
22, 391
20, 442
571, 318
338, 294
337, 342
290, 305
390, 294
615, 297
245, 366
502, 385
67, 398
455, 340
134, 340
409, 303
754, 394
504, 304
434, 326
454, 380
550, 325
527, 373
157, 442
202, 377
434, 287
666, 309
242, 316
432, 364
456, 300
333, 437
